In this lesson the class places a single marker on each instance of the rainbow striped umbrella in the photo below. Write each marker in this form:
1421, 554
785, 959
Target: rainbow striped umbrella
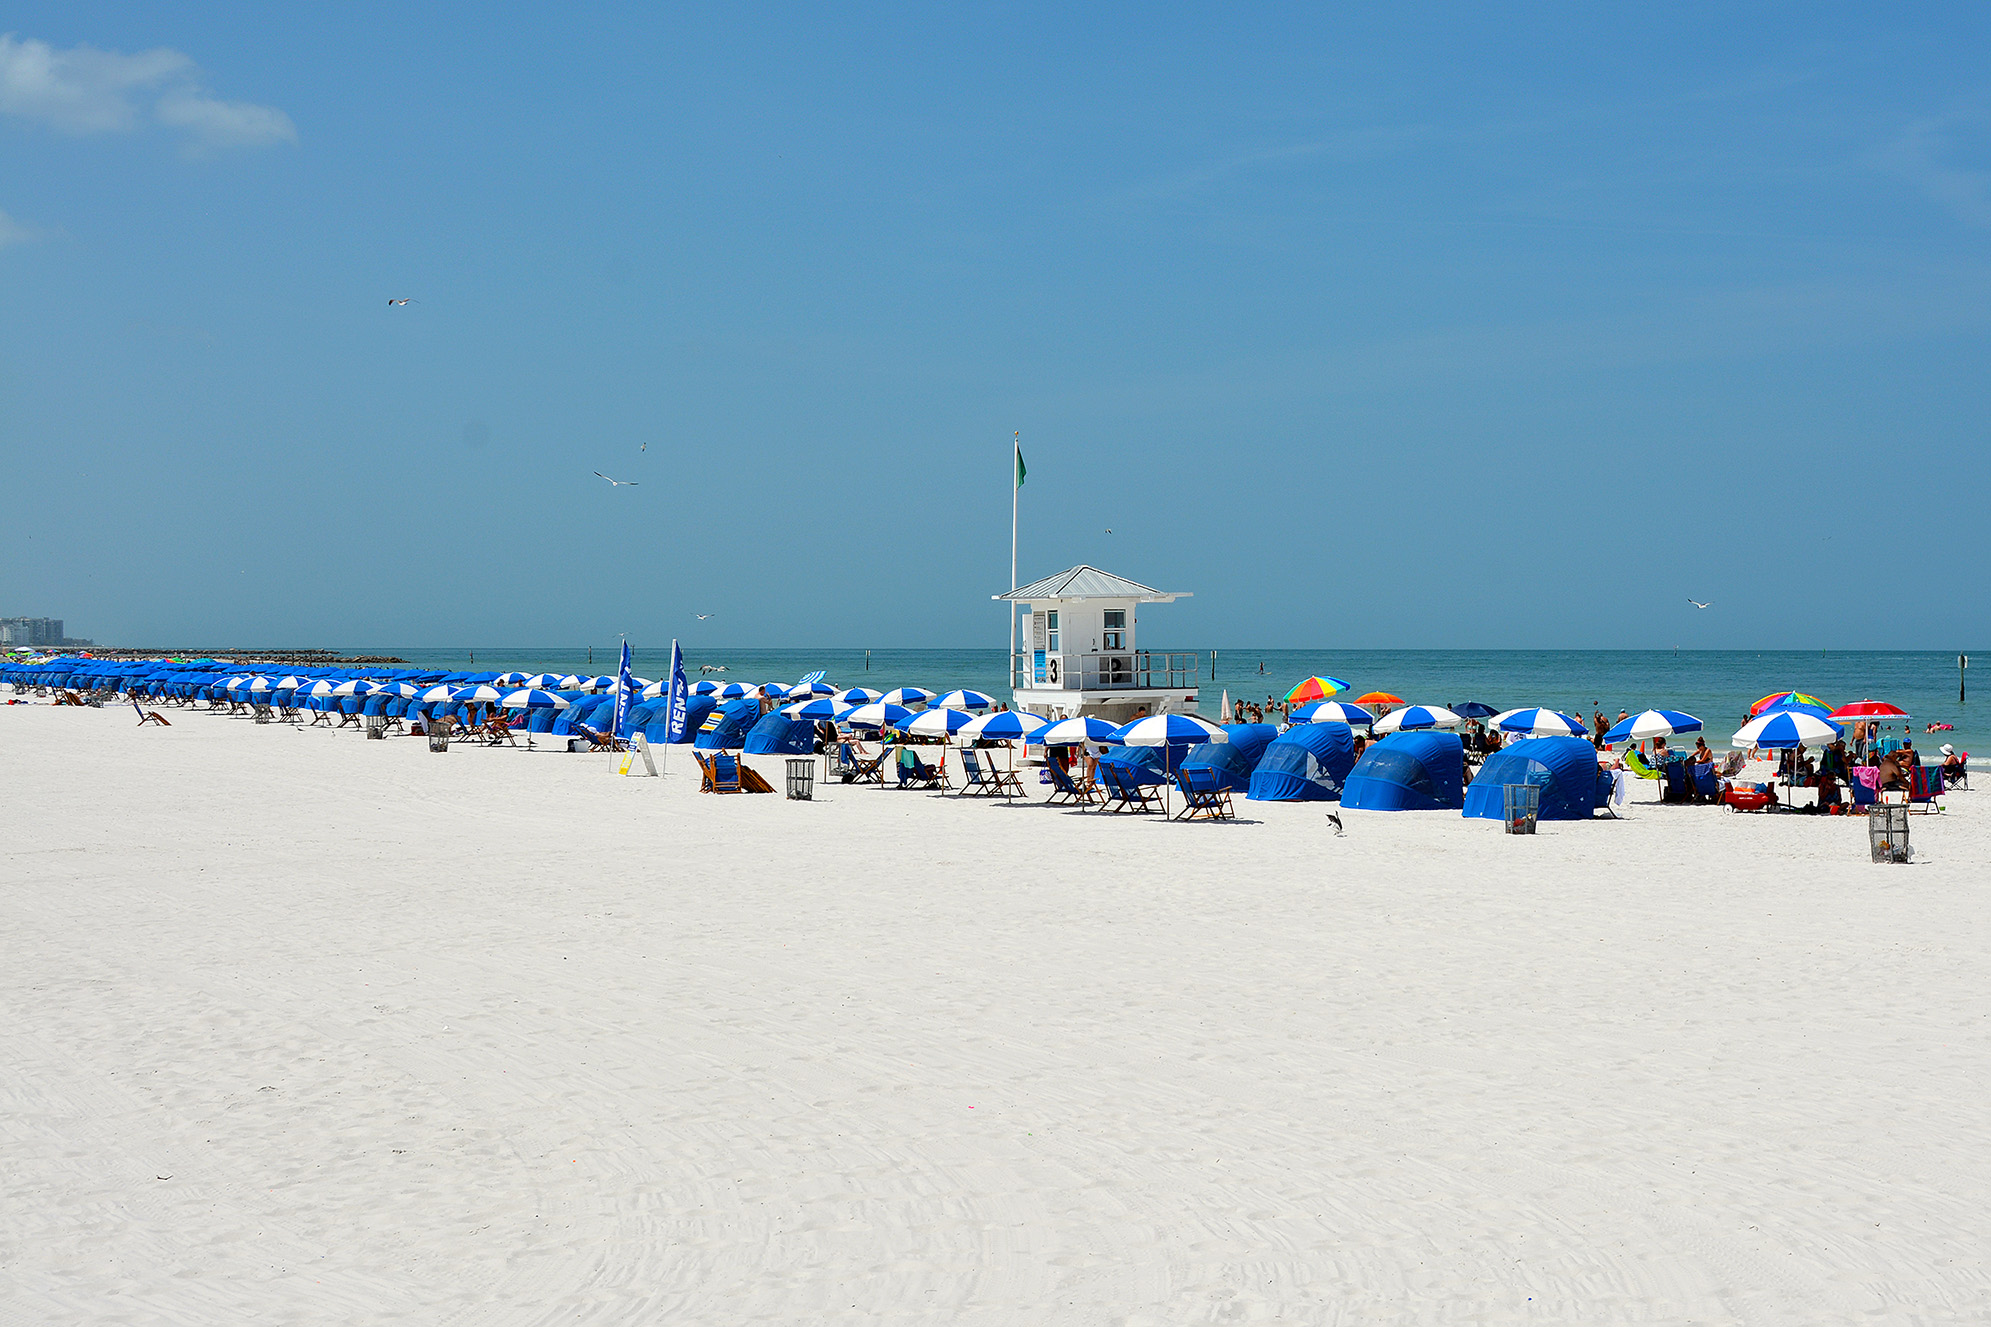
1790, 700
1316, 688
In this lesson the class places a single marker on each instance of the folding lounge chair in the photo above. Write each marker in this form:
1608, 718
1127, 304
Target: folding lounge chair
1706, 785
1125, 793
1069, 791
152, 716
870, 769
975, 781
1204, 796
914, 772
718, 772
1925, 785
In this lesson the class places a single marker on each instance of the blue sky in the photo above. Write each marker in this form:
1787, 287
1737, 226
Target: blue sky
1500, 327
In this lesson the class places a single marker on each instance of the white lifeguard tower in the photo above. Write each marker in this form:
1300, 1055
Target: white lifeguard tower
1078, 653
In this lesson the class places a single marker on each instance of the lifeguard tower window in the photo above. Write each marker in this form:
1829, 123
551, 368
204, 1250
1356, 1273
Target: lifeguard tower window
1114, 629
1052, 627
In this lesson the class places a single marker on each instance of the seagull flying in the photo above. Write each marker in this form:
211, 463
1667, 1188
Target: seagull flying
1697, 603
615, 483
394, 302
1109, 531
644, 448
703, 616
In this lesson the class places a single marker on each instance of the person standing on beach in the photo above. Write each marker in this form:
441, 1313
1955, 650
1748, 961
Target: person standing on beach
1602, 725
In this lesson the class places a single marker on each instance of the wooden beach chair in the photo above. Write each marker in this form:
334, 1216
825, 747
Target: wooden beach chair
1925, 785
750, 779
975, 780
150, 716
1125, 794
869, 769
1204, 796
1067, 791
718, 772
916, 773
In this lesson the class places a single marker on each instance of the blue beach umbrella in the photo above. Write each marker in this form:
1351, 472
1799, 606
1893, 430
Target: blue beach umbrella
937, 722
907, 696
509, 680
1412, 718
774, 690
1078, 730
736, 691
1333, 711
705, 686
1170, 730
816, 711
482, 694
1542, 723
439, 693
531, 698
859, 696
1009, 726
962, 700
1787, 728
818, 687
1648, 724
1474, 709
878, 714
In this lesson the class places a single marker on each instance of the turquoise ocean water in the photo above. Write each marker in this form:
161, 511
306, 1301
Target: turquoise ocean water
1718, 686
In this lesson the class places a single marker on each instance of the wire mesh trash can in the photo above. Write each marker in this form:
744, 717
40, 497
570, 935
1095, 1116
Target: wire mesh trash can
802, 778
1887, 831
1523, 802
438, 734
376, 727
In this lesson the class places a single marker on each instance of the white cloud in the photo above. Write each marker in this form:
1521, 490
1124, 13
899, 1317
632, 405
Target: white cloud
1918, 157
215, 123
86, 91
13, 232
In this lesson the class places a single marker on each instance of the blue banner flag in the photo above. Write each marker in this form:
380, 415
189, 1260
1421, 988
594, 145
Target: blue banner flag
625, 690
677, 698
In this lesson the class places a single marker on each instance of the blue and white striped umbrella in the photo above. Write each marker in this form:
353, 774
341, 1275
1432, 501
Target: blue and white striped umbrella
402, 690
509, 680
815, 687
543, 680
357, 686
878, 714
774, 691
258, 685
438, 693
907, 696
322, 687
1333, 711
1542, 723
937, 722
291, 683
575, 682
859, 696
1074, 731
1412, 718
481, 694
1783, 728
1170, 730
705, 686
1008, 726
531, 698
963, 700
1648, 724
651, 692
736, 691
816, 711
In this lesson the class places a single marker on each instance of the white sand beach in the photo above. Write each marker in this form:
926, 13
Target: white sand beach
304, 1028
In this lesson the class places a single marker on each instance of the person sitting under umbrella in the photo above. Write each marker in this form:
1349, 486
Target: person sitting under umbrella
1891, 775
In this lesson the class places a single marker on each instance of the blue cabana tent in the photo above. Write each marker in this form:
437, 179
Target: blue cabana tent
778, 735
1142, 764
1564, 768
696, 710
1416, 771
1234, 760
1308, 762
726, 729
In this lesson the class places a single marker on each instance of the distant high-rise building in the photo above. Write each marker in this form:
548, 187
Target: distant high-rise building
39, 631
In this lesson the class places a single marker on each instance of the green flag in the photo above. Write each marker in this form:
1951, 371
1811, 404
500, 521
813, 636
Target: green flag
1020, 471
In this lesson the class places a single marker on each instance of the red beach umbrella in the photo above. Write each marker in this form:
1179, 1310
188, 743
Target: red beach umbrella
1868, 709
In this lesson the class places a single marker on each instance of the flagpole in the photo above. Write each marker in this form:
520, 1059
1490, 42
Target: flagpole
1015, 489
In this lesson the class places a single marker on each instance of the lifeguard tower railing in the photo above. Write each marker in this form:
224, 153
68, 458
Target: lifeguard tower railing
1121, 670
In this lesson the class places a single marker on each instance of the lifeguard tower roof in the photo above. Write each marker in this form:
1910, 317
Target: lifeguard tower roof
1084, 582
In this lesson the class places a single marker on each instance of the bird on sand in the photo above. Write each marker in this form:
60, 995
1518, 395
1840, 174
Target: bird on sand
615, 483
1697, 603
1334, 819
394, 302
